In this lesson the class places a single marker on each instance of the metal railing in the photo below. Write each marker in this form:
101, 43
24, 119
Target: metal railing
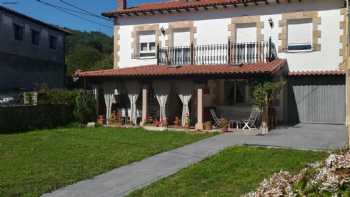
230, 53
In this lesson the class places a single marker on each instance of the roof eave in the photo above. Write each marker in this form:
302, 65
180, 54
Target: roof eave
183, 8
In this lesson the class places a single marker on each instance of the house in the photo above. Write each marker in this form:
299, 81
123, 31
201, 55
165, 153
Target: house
31, 53
178, 59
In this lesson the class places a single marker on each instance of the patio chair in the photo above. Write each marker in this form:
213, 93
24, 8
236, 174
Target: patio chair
250, 123
215, 118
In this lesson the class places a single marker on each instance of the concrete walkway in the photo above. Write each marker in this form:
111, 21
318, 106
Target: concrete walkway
123, 180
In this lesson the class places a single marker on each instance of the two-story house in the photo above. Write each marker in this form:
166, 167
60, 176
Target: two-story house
182, 57
31, 53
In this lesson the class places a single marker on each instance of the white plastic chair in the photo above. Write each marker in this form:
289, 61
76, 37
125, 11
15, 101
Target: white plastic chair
251, 122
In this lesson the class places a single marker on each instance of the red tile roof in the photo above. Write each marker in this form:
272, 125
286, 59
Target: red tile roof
187, 70
176, 5
317, 73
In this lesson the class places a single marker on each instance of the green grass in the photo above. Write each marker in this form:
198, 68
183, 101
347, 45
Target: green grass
233, 172
40, 161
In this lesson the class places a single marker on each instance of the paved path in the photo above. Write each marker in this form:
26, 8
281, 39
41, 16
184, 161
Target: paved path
126, 179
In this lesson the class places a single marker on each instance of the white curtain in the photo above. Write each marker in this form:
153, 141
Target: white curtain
133, 89
109, 100
162, 90
184, 90
133, 108
185, 99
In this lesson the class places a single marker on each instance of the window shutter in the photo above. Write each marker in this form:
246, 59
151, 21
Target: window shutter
300, 32
182, 38
246, 33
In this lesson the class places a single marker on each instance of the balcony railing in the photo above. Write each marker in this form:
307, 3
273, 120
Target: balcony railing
230, 53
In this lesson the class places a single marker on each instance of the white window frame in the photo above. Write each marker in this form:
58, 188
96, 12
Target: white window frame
149, 53
310, 44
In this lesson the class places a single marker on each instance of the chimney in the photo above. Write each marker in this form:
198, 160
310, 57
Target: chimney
121, 4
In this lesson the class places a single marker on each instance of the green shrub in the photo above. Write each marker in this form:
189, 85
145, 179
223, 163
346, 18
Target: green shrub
84, 108
56, 108
57, 96
24, 118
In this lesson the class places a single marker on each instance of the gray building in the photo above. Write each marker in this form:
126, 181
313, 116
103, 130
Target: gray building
32, 53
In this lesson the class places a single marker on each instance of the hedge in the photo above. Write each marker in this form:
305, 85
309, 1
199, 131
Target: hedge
24, 118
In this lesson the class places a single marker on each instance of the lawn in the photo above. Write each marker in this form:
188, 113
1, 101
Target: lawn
233, 172
40, 161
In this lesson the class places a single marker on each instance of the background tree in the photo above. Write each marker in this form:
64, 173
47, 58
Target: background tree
88, 51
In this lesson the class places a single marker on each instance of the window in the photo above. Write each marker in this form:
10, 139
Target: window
18, 32
53, 42
147, 46
181, 42
246, 33
300, 35
35, 37
181, 38
236, 92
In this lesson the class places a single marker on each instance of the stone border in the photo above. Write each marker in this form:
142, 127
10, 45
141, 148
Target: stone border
116, 43
180, 25
316, 33
343, 39
246, 20
135, 37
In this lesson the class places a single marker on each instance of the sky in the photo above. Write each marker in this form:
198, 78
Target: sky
54, 16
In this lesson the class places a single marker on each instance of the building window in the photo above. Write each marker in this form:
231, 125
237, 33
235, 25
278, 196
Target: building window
300, 35
246, 33
147, 44
18, 32
236, 92
53, 42
35, 37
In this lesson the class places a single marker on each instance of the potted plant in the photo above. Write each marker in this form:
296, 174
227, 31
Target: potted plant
224, 124
177, 122
187, 120
263, 94
208, 126
100, 119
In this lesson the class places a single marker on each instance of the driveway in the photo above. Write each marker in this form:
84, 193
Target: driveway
123, 180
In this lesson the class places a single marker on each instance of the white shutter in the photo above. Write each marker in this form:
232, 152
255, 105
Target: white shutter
300, 32
181, 38
246, 33
147, 36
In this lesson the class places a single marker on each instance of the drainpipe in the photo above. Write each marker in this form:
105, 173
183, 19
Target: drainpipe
347, 70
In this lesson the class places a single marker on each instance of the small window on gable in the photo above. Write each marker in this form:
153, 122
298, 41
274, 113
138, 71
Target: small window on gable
18, 32
300, 35
53, 42
147, 44
35, 37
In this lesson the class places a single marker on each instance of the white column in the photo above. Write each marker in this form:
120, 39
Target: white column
199, 125
144, 105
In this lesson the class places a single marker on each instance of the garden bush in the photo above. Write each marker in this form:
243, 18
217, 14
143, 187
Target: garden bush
55, 108
24, 118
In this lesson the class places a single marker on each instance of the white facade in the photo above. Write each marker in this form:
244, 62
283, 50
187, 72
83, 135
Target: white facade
212, 28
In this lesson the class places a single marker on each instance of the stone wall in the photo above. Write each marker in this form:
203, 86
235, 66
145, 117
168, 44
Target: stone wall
18, 72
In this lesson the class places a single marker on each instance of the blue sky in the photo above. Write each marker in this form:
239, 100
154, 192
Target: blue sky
51, 15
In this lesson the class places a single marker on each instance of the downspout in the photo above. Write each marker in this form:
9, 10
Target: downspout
346, 66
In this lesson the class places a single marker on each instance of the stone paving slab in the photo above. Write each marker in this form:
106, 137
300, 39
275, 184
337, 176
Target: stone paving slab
121, 181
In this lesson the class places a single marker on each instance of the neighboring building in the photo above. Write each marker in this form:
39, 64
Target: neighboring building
31, 53
208, 54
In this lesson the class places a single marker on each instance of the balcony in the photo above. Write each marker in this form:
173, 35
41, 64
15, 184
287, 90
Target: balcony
230, 53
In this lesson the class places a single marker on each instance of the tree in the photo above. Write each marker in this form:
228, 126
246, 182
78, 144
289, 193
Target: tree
263, 94
88, 51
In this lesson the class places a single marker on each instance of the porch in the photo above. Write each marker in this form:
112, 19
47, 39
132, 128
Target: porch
178, 97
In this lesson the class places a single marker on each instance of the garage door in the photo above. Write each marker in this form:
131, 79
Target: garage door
319, 102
